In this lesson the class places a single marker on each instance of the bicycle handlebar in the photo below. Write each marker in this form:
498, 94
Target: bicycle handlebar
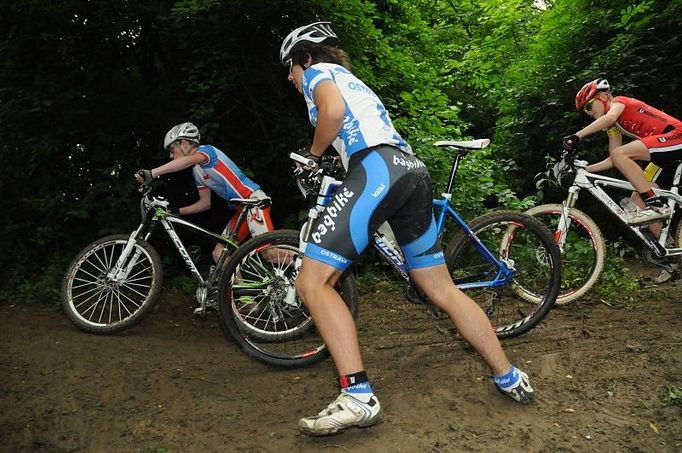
303, 161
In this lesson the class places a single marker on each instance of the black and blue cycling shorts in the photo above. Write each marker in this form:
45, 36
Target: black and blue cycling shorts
382, 184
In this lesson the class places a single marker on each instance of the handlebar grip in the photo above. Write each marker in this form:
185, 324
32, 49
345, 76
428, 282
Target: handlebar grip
302, 160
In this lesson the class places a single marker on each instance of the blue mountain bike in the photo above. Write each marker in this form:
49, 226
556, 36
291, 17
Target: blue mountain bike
506, 261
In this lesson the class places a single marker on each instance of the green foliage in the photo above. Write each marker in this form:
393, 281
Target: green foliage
88, 90
616, 279
673, 396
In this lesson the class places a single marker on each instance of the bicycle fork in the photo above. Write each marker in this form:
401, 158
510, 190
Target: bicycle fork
565, 219
121, 270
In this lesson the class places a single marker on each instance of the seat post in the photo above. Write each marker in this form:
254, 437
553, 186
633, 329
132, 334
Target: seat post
453, 172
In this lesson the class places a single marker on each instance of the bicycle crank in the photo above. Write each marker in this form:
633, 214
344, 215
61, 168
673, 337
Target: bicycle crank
664, 263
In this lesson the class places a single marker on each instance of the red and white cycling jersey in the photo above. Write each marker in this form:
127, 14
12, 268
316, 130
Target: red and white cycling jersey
658, 131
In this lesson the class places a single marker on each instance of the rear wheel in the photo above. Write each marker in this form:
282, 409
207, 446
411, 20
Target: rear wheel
583, 251
98, 302
259, 307
525, 246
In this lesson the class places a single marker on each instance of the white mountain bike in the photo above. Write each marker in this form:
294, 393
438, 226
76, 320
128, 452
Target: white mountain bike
580, 239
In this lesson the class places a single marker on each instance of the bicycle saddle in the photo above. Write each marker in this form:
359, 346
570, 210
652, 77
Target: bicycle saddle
252, 202
468, 144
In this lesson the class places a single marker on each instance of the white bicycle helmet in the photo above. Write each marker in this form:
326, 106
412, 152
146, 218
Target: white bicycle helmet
187, 131
315, 32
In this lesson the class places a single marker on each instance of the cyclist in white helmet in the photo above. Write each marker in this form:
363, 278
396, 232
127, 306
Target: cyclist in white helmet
384, 182
213, 171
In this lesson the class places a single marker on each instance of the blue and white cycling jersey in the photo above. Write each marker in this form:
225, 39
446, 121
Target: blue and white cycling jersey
221, 175
366, 122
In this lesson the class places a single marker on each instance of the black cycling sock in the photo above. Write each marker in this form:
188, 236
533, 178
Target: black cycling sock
352, 379
651, 199
357, 385
647, 195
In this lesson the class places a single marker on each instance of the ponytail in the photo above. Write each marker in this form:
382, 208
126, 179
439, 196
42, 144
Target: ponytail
318, 54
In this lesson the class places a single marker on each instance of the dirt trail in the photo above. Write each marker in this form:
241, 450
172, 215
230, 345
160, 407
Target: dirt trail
177, 384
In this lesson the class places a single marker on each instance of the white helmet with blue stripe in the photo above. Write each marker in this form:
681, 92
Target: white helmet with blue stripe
315, 32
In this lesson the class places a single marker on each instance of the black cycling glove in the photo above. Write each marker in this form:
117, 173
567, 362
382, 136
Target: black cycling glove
145, 176
570, 142
305, 152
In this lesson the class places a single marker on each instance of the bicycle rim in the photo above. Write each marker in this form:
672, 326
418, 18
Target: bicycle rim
99, 303
583, 251
525, 246
259, 306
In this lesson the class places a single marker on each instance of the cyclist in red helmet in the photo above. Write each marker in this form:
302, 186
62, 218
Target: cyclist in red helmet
658, 139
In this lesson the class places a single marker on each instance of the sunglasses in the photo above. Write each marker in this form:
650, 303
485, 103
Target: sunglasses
289, 64
588, 107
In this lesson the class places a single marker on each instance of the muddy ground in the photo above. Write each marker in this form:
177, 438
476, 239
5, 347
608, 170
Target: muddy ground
602, 369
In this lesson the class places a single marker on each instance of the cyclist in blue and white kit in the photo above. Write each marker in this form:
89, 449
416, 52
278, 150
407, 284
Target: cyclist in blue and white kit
384, 182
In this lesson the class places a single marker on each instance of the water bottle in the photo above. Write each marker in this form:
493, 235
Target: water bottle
628, 206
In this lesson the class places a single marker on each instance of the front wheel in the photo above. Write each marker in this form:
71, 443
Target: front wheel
521, 244
259, 307
97, 301
582, 249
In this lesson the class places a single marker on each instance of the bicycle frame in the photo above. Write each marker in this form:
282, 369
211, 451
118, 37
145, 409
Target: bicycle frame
156, 213
595, 185
391, 252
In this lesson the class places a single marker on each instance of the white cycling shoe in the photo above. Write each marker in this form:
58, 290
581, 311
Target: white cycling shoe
343, 413
649, 214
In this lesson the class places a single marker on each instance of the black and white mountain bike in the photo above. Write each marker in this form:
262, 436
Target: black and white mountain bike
581, 241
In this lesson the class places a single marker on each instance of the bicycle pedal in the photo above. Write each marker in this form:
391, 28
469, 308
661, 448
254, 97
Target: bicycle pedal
200, 312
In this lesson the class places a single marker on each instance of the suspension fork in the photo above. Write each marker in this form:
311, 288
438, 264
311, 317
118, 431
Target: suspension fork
120, 271
565, 220
143, 232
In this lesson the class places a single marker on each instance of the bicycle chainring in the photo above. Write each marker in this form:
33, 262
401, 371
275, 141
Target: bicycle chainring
651, 258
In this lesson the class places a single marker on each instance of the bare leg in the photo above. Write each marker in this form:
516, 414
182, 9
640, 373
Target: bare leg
333, 320
217, 250
466, 315
624, 157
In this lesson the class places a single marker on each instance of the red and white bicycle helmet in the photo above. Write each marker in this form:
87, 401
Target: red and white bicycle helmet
590, 90
187, 131
315, 32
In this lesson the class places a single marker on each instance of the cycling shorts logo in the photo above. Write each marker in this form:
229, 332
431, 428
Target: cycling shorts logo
333, 256
378, 190
327, 222
670, 138
410, 164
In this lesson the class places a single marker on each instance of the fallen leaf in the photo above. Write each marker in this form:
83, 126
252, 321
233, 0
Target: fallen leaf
653, 428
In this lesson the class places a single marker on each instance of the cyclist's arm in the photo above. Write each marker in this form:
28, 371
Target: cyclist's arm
330, 112
204, 203
179, 164
603, 122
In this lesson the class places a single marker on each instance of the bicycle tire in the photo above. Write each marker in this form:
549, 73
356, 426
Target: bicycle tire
583, 253
88, 294
529, 248
253, 305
